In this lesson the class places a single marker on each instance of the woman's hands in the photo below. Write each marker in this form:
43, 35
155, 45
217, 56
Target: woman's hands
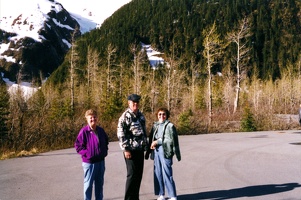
154, 144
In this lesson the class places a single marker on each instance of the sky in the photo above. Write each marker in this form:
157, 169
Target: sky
99, 9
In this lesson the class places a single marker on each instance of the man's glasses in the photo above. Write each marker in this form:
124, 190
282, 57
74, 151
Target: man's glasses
161, 114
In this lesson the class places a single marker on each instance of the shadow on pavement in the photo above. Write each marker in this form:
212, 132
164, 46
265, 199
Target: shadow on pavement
251, 191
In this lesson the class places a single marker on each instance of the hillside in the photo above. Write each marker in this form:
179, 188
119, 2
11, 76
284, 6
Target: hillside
175, 27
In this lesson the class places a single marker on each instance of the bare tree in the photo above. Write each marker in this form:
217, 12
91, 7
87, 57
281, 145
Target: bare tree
111, 50
92, 74
228, 86
256, 89
211, 52
168, 77
239, 37
173, 82
193, 84
121, 78
18, 109
136, 67
154, 90
73, 63
89, 70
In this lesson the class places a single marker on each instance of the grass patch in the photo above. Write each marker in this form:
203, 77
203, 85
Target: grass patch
23, 153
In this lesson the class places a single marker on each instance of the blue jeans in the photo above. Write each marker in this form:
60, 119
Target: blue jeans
93, 173
163, 174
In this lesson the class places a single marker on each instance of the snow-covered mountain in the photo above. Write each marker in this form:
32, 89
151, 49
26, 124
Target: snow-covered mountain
36, 34
35, 37
88, 13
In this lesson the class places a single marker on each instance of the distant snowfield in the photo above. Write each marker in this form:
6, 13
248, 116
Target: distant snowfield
25, 87
153, 56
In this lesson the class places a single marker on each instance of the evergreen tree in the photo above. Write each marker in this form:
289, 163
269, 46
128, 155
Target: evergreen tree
4, 113
248, 121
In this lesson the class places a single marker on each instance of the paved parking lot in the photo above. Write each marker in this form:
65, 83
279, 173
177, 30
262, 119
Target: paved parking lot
256, 165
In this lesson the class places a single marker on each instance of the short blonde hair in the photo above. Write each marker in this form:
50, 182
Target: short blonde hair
90, 112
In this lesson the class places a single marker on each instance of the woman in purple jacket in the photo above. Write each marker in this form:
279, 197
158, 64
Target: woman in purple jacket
92, 144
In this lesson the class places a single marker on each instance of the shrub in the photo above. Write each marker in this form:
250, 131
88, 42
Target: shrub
184, 125
248, 121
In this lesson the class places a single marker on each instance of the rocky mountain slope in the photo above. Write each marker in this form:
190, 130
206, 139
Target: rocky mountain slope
46, 38
35, 35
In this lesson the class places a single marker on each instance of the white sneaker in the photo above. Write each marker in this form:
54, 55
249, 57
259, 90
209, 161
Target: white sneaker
161, 197
173, 198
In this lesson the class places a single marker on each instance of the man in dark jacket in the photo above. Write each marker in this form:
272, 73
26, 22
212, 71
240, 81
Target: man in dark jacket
133, 141
92, 144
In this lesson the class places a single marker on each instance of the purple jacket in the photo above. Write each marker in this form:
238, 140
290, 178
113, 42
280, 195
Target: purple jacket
93, 148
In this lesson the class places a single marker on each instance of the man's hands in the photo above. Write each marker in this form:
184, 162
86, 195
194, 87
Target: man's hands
127, 154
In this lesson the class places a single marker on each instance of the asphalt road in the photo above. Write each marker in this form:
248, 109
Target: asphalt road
257, 165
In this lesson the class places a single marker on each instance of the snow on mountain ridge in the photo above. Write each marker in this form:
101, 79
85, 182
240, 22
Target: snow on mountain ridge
26, 18
90, 14
36, 27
